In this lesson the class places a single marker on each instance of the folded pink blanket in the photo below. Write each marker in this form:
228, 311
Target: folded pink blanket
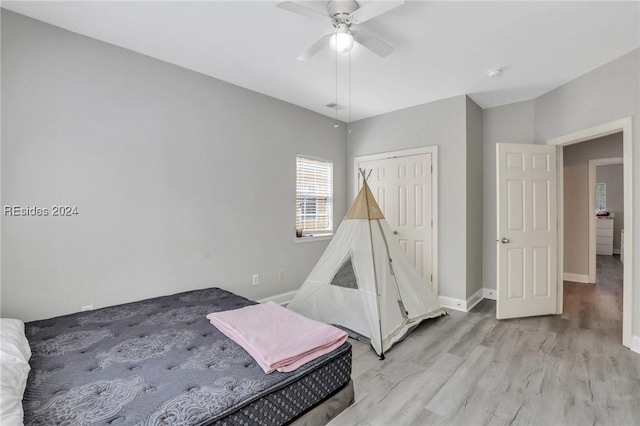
277, 338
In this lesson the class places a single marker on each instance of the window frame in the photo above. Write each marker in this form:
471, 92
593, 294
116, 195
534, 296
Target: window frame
316, 234
601, 196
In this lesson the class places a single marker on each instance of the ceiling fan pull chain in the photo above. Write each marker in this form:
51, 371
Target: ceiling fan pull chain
349, 92
336, 125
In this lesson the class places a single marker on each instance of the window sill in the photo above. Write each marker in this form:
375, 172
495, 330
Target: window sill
313, 238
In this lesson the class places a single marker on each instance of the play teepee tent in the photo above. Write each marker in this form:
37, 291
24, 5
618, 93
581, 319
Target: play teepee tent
365, 282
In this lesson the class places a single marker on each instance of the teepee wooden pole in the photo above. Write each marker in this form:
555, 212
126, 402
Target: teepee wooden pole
375, 274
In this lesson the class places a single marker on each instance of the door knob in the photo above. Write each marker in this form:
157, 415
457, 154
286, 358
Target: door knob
395, 232
504, 240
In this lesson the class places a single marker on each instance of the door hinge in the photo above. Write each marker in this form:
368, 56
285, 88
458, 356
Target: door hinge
431, 169
431, 277
432, 223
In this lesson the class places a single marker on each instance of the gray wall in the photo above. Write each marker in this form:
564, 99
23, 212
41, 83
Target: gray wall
577, 212
514, 123
181, 181
612, 177
441, 123
606, 94
138, 145
474, 198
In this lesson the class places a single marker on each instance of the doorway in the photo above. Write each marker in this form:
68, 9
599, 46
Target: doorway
620, 126
606, 183
405, 186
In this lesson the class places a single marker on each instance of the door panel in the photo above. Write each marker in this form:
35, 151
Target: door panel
403, 207
515, 283
515, 194
527, 230
403, 191
541, 272
540, 205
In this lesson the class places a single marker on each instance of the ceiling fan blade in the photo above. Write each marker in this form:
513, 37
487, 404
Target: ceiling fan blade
373, 9
301, 10
315, 47
378, 47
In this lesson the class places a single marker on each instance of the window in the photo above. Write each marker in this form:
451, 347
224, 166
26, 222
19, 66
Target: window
601, 196
314, 197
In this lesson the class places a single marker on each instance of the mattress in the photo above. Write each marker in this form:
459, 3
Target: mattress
160, 361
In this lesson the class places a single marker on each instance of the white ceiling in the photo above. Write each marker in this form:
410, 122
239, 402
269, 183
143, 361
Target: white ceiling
442, 49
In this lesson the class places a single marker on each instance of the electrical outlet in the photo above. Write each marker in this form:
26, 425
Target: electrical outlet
255, 279
281, 274
86, 308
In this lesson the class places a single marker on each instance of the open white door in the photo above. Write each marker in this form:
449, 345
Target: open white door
527, 230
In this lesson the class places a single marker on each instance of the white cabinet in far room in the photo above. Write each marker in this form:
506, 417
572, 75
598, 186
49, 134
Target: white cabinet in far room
604, 236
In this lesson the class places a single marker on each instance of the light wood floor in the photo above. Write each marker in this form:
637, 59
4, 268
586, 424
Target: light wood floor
471, 369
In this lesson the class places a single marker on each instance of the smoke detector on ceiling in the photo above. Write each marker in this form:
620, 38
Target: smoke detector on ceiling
494, 72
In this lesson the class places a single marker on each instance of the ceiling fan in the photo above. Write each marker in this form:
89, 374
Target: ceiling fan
343, 14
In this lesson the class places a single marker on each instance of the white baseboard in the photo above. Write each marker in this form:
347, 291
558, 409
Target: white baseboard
280, 299
446, 302
460, 304
635, 344
474, 299
453, 303
576, 278
490, 293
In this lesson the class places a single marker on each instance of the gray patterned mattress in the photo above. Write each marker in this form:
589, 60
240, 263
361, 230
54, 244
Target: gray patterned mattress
159, 361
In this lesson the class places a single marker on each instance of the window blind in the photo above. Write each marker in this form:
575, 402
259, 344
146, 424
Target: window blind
314, 196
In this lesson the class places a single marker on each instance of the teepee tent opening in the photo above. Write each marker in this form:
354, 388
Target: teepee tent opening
365, 282
346, 276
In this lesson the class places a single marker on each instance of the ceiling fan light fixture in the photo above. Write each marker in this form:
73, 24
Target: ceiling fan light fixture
341, 42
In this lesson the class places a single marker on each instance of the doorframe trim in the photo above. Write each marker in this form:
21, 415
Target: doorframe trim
433, 150
593, 163
623, 125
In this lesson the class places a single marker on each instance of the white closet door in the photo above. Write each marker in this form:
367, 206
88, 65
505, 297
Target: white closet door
402, 187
